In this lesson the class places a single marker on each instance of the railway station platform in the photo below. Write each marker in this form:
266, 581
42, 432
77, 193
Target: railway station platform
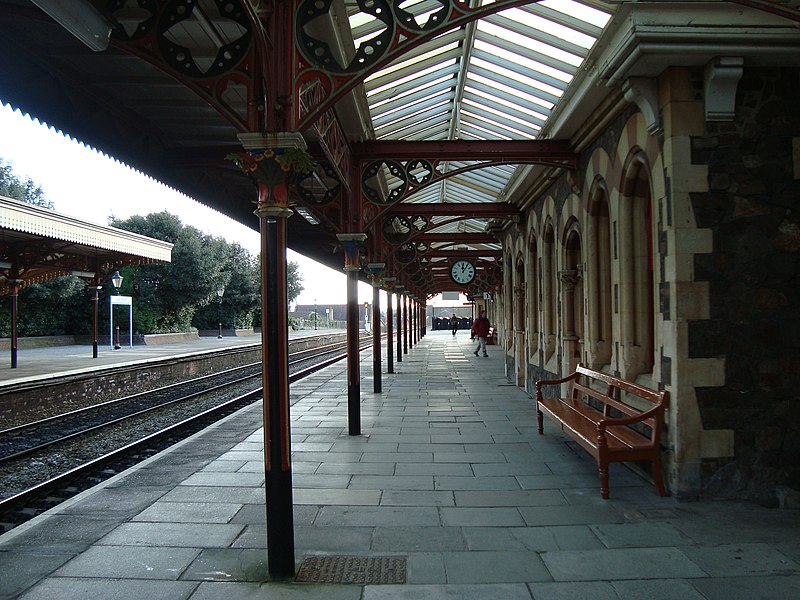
449, 493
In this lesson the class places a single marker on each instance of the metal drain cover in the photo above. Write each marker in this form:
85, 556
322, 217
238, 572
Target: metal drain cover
352, 569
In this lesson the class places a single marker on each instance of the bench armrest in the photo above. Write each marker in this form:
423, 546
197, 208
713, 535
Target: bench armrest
542, 382
605, 422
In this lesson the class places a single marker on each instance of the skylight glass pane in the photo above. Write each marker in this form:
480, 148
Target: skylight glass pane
523, 129
525, 61
410, 60
425, 112
398, 97
502, 125
482, 132
524, 81
589, 14
407, 78
560, 31
492, 99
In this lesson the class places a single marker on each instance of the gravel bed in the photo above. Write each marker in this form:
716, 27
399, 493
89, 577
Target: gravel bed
17, 476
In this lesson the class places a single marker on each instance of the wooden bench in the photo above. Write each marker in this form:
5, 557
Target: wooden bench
490, 339
604, 429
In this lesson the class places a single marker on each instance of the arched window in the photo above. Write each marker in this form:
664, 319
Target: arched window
510, 299
598, 279
571, 279
519, 295
534, 300
548, 276
636, 270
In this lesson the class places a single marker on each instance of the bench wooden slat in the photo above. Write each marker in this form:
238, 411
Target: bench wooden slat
608, 438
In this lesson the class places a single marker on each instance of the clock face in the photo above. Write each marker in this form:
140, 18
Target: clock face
462, 272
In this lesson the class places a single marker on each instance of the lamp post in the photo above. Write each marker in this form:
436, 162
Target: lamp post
116, 281
220, 292
315, 314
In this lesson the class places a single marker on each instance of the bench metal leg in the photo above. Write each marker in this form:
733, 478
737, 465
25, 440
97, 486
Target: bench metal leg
540, 419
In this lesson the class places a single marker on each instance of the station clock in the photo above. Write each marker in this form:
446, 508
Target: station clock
462, 272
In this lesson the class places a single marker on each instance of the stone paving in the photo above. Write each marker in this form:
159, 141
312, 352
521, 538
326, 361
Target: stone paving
449, 474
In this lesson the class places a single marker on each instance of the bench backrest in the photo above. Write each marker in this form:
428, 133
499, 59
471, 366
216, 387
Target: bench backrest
617, 395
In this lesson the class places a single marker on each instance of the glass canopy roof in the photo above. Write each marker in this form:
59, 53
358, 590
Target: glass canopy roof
495, 79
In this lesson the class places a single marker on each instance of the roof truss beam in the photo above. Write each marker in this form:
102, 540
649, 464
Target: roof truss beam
507, 151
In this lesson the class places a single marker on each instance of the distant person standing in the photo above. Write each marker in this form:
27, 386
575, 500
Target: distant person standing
481, 330
454, 323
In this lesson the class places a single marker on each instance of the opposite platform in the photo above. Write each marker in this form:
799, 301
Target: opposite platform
35, 363
449, 477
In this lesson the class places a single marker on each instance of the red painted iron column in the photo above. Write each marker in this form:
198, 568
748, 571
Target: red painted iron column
273, 177
388, 283
96, 287
410, 317
414, 320
375, 270
351, 243
275, 375
399, 289
405, 324
14, 285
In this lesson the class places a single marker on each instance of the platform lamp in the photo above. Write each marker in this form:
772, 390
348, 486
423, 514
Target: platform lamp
220, 293
116, 281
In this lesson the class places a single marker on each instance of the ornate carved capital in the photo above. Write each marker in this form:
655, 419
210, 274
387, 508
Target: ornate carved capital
351, 244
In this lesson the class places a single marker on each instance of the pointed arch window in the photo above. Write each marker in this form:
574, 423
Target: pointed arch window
598, 277
636, 270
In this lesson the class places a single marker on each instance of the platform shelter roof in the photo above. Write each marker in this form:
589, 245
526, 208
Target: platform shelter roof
37, 244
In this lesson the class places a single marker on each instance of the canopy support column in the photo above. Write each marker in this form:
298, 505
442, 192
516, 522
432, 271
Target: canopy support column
273, 177
389, 282
96, 287
375, 270
351, 244
399, 323
14, 284
405, 324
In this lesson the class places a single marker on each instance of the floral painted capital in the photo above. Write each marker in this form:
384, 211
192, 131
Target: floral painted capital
375, 273
274, 170
351, 244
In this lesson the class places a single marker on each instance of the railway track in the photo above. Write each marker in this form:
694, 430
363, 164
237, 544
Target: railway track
43, 463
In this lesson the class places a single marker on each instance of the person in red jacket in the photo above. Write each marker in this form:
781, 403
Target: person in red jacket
481, 330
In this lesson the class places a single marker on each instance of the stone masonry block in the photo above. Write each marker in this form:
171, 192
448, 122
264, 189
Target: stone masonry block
691, 301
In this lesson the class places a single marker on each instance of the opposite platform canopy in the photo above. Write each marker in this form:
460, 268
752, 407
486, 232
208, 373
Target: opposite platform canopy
37, 244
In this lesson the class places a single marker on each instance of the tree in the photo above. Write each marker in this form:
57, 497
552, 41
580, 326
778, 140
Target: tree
241, 297
18, 189
294, 287
294, 281
168, 294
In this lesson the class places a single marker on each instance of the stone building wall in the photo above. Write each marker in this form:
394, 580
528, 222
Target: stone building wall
752, 206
